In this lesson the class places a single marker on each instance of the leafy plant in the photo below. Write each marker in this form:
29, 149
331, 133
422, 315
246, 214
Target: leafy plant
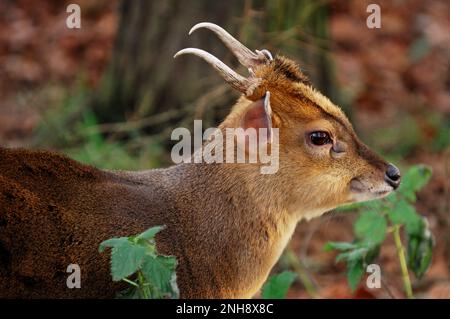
277, 286
136, 261
71, 126
389, 215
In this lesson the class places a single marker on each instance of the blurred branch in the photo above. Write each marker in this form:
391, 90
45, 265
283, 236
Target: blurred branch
215, 94
133, 125
301, 271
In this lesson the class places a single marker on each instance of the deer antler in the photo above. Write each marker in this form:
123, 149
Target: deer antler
236, 80
245, 56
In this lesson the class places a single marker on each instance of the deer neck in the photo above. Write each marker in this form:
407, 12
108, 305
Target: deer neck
235, 205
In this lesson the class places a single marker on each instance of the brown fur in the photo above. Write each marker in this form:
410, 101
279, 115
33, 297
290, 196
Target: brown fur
226, 223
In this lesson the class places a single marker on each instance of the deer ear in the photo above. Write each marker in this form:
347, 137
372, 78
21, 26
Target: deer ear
259, 116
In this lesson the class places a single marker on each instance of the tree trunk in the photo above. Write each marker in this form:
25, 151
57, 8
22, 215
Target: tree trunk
143, 79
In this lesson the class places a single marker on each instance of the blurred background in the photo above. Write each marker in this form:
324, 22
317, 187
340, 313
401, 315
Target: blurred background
109, 94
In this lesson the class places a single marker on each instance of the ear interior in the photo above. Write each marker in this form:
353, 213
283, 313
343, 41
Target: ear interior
259, 115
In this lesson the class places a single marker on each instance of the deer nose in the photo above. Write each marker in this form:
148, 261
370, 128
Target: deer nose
392, 176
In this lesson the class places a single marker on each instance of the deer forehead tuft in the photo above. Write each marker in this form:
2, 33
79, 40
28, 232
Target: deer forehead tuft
287, 76
289, 69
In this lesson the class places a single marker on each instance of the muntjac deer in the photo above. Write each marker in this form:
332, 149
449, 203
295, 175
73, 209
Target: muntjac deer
227, 224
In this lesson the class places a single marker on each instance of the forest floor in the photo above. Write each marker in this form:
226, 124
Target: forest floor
40, 59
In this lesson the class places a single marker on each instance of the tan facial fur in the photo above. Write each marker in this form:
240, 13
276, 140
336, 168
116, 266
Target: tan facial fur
321, 177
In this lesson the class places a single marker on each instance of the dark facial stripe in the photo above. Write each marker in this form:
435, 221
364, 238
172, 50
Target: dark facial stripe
370, 156
336, 119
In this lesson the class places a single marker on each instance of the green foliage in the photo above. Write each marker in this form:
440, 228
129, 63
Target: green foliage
277, 286
126, 258
94, 148
399, 139
355, 270
407, 134
72, 127
440, 125
419, 49
356, 255
154, 274
371, 228
414, 179
420, 248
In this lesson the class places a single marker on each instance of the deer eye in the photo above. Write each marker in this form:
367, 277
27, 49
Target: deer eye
320, 138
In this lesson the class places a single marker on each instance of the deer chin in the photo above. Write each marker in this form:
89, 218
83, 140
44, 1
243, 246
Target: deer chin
313, 213
361, 191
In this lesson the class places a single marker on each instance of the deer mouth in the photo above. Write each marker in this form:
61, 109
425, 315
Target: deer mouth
382, 192
362, 191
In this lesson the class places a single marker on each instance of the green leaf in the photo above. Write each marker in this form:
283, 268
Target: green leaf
355, 271
160, 272
126, 258
353, 255
425, 255
150, 233
338, 246
376, 205
404, 213
372, 254
129, 293
371, 227
155, 274
391, 198
277, 286
420, 249
414, 179
356, 259
111, 243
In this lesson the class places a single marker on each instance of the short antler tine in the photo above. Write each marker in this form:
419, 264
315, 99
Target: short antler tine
246, 57
235, 80
266, 53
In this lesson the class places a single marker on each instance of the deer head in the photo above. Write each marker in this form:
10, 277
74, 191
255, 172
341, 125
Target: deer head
320, 155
